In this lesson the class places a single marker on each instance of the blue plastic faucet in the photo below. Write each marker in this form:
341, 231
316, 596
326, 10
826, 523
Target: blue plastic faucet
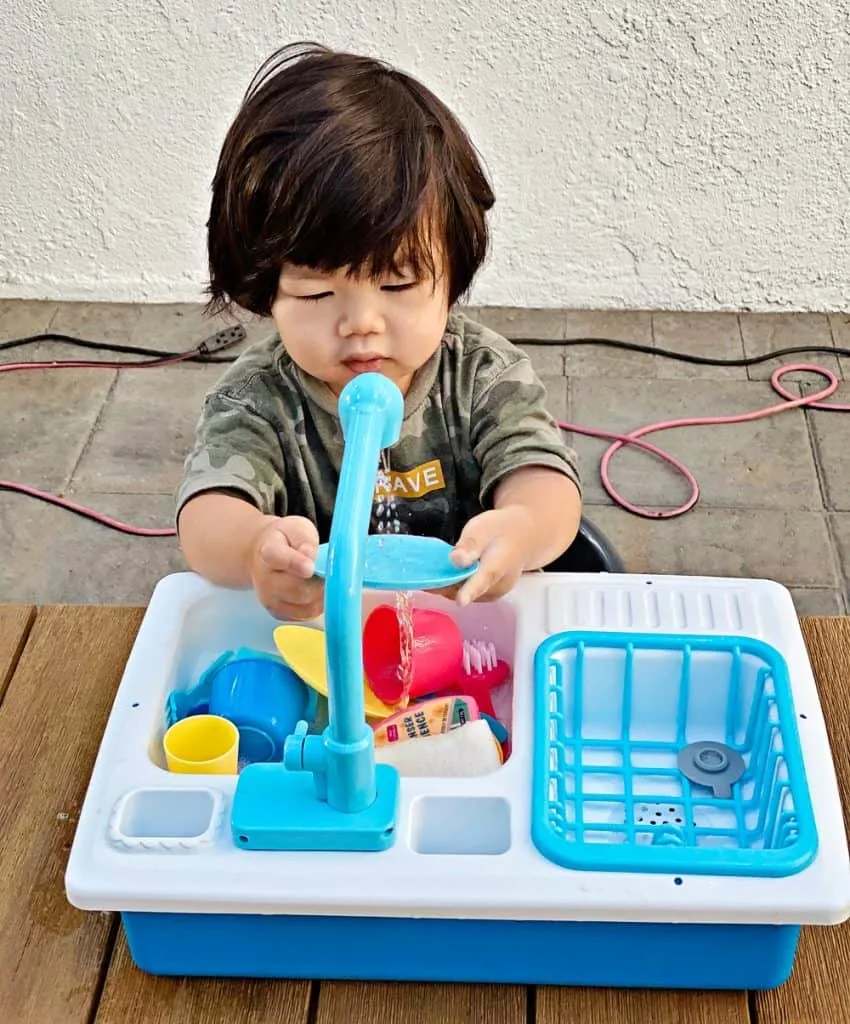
328, 794
371, 409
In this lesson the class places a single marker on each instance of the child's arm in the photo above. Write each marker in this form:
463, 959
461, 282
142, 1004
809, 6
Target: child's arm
535, 517
231, 543
553, 503
529, 476
216, 534
232, 486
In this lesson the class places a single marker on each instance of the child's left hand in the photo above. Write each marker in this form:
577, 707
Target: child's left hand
500, 540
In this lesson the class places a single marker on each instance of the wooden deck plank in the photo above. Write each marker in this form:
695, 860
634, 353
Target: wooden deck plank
640, 1006
819, 989
374, 1003
15, 623
51, 723
130, 995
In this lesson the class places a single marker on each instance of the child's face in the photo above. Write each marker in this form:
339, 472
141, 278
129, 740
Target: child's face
335, 326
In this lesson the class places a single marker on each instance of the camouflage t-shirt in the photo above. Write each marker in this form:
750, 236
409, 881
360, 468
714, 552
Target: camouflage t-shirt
474, 413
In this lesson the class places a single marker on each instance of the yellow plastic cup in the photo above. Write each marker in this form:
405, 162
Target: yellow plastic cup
202, 745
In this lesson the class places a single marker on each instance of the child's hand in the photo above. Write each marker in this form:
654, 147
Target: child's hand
282, 556
499, 540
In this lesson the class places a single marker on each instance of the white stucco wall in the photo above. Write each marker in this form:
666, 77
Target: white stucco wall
675, 154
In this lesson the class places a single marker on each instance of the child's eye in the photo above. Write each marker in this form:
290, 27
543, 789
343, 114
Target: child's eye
399, 287
316, 297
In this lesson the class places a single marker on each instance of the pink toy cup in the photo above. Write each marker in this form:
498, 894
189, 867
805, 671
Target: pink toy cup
436, 659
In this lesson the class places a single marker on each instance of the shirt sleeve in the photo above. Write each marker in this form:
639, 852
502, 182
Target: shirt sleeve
511, 428
236, 451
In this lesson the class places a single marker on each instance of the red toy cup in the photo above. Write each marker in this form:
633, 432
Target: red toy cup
436, 660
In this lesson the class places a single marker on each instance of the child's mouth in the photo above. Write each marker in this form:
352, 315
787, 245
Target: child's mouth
364, 364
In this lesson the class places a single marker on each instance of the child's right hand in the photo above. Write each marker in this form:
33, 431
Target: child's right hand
282, 555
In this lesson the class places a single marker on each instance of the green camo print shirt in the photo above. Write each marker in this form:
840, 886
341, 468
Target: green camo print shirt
474, 413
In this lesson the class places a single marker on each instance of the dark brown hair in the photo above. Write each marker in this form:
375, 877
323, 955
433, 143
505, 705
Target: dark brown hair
340, 161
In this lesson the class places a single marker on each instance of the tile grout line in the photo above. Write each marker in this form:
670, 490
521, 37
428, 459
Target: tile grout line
136, 325
744, 346
90, 436
841, 374
565, 334
808, 419
655, 360
564, 349
49, 327
568, 401
814, 448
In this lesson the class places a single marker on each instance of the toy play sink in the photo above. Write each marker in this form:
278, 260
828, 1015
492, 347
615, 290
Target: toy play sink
588, 858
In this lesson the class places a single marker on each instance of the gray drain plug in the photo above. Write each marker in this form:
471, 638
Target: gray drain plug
711, 764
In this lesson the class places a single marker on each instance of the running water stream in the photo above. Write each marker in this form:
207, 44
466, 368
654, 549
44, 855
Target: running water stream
386, 513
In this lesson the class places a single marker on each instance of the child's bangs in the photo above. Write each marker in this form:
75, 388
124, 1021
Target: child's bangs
367, 251
374, 214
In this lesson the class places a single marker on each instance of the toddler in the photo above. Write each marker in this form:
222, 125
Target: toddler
350, 206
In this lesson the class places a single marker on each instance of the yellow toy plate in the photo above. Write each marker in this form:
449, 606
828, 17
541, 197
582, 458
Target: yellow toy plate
303, 649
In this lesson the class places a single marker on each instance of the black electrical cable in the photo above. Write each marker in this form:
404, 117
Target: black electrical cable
202, 353
107, 346
626, 346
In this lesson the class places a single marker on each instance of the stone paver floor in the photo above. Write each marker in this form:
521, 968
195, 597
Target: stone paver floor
775, 496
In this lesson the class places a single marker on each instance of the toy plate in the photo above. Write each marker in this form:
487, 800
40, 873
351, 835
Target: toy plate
404, 562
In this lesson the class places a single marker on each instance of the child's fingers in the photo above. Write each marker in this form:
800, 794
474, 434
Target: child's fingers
476, 586
278, 555
301, 534
472, 542
492, 568
291, 547
466, 551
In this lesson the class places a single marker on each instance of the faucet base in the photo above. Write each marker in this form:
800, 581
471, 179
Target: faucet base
277, 809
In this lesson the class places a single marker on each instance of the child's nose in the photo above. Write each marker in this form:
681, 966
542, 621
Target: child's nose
361, 316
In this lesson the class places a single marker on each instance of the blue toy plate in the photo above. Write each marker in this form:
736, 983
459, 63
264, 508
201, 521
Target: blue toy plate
404, 562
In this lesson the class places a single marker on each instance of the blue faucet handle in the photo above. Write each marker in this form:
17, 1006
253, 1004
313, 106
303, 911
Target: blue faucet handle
293, 747
373, 394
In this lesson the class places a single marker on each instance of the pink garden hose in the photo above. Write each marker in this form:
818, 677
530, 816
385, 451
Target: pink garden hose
634, 438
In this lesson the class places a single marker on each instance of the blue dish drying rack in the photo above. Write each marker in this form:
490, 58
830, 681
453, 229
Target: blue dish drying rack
668, 753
